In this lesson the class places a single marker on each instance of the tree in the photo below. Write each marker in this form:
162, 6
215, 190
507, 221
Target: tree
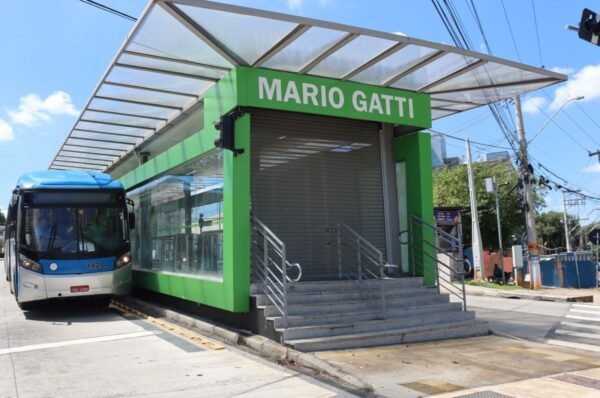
2, 218
451, 189
551, 229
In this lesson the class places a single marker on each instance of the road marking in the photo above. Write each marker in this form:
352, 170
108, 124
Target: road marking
585, 318
586, 312
89, 340
587, 306
580, 325
578, 334
580, 346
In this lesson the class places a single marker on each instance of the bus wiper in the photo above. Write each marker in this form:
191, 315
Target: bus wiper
52, 237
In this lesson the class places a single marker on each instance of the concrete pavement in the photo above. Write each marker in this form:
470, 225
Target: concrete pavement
560, 295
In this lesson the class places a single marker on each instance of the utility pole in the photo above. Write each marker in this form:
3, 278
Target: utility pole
491, 186
532, 245
566, 221
572, 200
476, 244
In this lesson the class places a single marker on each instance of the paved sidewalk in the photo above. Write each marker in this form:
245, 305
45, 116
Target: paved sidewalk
546, 294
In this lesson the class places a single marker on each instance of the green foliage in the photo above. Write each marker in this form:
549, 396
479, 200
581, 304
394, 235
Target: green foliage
451, 189
551, 229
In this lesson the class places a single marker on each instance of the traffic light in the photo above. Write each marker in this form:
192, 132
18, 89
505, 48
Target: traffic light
225, 125
589, 27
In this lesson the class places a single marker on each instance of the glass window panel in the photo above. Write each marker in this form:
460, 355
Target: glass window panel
488, 74
144, 96
434, 71
107, 145
136, 60
304, 49
92, 151
158, 80
492, 94
393, 65
100, 136
437, 113
110, 118
161, 34
351, 56
112, 129
118, 106
245, 35
181, 220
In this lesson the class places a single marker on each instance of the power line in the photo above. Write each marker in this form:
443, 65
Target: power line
510, 29
472, 142
108, 9
537, 32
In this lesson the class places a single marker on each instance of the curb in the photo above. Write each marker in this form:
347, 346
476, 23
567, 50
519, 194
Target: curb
259, 344
536, 297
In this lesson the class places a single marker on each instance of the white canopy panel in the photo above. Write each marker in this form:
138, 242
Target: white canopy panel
178, 49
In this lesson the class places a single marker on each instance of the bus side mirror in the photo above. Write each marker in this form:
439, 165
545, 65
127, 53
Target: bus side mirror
131, 220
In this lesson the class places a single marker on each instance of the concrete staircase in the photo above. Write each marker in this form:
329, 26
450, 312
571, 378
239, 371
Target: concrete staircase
347, 314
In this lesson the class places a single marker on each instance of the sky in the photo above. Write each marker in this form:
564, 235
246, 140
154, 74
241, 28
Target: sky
54, 53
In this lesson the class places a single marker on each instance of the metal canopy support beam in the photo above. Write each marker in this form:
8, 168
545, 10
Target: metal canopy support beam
67, 156
333, 48
456, 102
133, 126
82, 162
425, 61
175, 108
150, 89
378, 58
456, 74
59, 167
95, 147
165, 72
499, 85
160, 119
87, 153
105, 141
283, 43
176, 60
199, 31
109, 133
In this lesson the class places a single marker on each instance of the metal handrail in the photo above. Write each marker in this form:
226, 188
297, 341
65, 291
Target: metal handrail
270, 268
365, 257
430, 237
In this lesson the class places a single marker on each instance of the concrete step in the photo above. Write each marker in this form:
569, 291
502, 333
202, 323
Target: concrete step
444, 331
361, 316
379, 325
343, 284
357, 306
354, 293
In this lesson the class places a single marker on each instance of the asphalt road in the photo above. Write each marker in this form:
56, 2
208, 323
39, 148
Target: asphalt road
84, 349
571, 325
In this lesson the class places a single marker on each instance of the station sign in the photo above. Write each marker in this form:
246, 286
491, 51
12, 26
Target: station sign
323, 96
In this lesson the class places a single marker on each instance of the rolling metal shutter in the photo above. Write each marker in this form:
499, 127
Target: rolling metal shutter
308, 173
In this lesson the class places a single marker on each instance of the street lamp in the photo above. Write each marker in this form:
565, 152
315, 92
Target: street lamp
554, 114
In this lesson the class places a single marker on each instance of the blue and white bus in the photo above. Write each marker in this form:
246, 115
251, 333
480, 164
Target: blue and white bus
67, 234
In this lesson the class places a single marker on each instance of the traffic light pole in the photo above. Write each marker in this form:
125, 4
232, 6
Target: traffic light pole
532, 245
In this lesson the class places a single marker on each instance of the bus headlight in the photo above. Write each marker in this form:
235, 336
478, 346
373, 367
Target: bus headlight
29, 264
124, 260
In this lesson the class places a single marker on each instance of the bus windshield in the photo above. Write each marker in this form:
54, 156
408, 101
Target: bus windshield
74, 230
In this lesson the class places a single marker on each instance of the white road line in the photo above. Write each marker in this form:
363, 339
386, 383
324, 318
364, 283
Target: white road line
578, 334
35, 347
570, 344
595, 307
585, 312
585, 318
580, 325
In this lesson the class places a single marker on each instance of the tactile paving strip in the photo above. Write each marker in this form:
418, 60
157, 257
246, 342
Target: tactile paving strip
432, 387
579, 380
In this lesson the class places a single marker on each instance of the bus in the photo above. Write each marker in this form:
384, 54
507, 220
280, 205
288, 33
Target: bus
67, 235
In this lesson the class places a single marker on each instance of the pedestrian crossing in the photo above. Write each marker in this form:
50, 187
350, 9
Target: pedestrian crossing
580, 329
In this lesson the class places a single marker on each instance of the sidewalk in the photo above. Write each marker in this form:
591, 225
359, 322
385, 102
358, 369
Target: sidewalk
545, 294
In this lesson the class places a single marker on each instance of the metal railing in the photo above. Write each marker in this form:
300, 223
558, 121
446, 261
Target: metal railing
270, 267
427, 244
359, 260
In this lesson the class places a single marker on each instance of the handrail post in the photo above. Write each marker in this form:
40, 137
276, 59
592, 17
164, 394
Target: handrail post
411, 240
464, 292
358, 258
339, 250
285, 293
265, 260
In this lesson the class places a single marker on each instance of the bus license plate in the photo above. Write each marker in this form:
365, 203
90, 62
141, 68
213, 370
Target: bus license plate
79, 289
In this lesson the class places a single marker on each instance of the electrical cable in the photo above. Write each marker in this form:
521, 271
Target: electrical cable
537, 32
511, 31
108, 9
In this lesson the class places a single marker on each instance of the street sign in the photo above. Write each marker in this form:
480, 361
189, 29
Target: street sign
594, 236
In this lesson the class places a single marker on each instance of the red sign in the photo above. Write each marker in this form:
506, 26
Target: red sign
80, 289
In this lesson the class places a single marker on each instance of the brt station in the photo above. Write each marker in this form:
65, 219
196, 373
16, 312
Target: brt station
281, 178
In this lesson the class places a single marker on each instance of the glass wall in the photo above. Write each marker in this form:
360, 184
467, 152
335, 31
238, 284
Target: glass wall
179, 219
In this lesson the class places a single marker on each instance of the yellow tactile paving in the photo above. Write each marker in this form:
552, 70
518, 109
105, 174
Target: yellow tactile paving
196, 338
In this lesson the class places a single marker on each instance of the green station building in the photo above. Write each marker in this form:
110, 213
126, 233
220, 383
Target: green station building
280, 170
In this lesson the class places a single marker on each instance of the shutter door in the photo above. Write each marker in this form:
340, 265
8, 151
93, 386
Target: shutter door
308, 173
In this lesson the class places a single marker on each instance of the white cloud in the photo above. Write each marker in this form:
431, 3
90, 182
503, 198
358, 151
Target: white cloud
564, 71
294, 4
593, 168
6, 131
533, 104
33, 110
583, 83
399, 33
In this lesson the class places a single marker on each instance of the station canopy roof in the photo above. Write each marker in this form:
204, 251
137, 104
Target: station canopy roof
179, 49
